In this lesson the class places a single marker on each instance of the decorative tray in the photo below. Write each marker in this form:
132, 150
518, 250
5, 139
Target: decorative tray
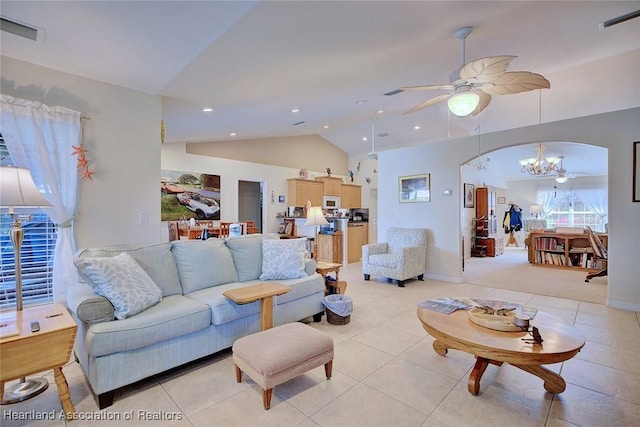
506, 320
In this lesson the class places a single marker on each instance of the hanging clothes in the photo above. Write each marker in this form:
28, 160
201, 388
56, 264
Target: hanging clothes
512, 219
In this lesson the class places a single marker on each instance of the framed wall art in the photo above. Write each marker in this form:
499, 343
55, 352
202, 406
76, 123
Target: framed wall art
187, 195
414, 188
469, 195
502, 200
636, 171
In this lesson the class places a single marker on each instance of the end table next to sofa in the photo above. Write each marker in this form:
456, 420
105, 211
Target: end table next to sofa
29, 352
325, 268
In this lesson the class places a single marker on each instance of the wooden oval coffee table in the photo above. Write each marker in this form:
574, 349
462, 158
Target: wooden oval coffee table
561, 341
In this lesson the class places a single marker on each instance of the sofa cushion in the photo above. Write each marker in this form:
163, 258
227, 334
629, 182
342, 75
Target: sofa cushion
156, 259
173, 317
122, 281
203, 263
247, 254
283, 259
301, 287
223, 309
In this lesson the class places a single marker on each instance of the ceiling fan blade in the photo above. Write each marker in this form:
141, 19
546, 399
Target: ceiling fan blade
485, 98
428, 103
429, 87
485, 69
516, 82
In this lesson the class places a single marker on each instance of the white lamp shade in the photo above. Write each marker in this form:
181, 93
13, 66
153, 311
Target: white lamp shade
315, 216
463, 104
17, 189
535, 209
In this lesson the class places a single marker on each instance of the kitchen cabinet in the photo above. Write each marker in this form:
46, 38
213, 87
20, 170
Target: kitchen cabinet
331, 185
357, 235
301, 190
351, 196
330, 247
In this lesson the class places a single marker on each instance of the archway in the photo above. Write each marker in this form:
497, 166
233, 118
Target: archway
587, 166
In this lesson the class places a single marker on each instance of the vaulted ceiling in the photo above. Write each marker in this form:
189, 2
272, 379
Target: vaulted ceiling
253, 62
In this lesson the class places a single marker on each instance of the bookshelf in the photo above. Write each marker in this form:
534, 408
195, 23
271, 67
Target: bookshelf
571, 251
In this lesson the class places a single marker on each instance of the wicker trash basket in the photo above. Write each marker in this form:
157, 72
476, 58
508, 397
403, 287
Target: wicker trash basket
338, 308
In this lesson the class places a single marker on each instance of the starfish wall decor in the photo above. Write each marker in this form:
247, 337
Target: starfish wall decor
83, 162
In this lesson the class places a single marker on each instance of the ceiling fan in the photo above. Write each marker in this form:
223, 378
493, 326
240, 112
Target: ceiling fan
472, 85
372, 154
562, 174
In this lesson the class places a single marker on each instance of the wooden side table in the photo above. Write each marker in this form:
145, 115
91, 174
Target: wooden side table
31, 352
325, 268
263, 292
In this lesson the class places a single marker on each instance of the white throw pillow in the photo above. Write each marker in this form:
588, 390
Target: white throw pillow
283, 259
122, 281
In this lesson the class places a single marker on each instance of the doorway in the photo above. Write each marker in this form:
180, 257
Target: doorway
586, 167
250, 202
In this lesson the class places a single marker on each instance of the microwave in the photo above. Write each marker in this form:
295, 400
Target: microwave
330, 202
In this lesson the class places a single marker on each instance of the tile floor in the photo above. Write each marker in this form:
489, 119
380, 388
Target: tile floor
386, 373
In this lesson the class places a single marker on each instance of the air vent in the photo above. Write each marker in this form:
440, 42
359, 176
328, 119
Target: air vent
394, 92
298, 123
383, 134
19, 29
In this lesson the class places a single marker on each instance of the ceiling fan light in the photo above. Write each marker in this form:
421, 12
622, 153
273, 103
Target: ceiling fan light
463, 104
561, 179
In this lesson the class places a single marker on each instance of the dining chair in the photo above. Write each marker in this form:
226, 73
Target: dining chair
174, 232
224, 229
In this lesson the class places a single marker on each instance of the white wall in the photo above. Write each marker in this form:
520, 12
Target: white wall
442, 216
123, 139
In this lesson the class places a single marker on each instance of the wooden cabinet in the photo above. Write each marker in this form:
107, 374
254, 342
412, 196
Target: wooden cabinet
332, 186
486, 207
571, 251
356, 237
351, 196
301, 190
330, 247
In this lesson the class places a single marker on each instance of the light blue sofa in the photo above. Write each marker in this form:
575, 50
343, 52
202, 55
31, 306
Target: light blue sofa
193, 319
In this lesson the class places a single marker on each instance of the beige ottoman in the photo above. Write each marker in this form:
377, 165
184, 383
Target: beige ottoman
276, 355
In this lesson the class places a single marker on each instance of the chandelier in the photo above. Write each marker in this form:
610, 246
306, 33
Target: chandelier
539, 165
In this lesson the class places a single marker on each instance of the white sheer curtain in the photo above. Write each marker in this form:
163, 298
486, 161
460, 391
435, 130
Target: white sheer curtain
548, 200
595, 199
39, 138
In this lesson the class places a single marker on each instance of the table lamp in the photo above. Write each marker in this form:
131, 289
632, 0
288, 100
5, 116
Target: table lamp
17, 190
535, 210
315, 217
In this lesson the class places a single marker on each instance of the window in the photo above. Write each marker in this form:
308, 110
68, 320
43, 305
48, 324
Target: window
36, 259
570, 211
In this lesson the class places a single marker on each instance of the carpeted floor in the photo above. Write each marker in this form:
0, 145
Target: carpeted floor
512, 271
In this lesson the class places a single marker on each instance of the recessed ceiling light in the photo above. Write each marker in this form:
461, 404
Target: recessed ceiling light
416, 127
364, 138
295, 110
232, 134
326, 126
207, 109
362, 101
